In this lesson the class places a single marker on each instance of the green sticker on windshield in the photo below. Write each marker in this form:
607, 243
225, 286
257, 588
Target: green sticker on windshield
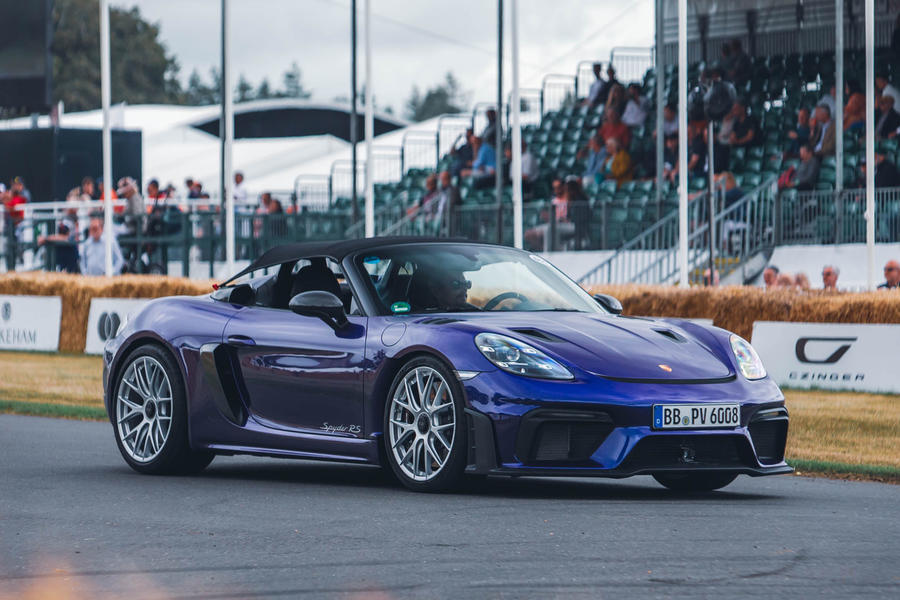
400, 307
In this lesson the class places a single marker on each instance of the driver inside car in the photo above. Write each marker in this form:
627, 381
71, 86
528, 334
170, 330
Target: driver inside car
439, 289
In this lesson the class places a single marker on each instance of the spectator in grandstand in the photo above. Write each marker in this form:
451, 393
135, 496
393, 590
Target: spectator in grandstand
93, 251
134, 204
193, 187
887, 120
670, 158
770, 276
829, 278
595, 157
450, 198
153, 191
558, 190
891, 276
599, 92
618, 162
64, 240
264, 200
87, 189
17, 187
491, 130
745, 130
855, 110
100, 190
13, 199
463, 155
568, 207
637, 107
829, 101
276, 226
485, 164
741, 66
530, 168
805, 176
886, 173
697, 148
239, 191
613, 127
784, 281
431, 191
800, 134
733, 191
670, 121
823, 135
617, 99
887, 89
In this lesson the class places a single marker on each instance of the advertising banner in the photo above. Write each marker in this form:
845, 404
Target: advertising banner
104, 318
833, 356
30, 322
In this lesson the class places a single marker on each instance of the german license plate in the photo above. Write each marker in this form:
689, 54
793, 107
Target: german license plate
696, 416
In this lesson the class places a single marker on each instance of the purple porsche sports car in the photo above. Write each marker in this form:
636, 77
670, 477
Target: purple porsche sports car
441, 359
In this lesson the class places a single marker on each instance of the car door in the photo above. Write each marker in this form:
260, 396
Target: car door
298, 372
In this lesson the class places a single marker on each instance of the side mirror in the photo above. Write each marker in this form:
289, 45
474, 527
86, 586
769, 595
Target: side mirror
322, 305
610, 303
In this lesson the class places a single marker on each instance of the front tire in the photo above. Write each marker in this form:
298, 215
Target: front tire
424, 427
694, 482
149, 415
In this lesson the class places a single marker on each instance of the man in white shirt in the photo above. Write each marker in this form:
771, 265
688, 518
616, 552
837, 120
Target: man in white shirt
93, 251
637, 107
829, 101
239, 191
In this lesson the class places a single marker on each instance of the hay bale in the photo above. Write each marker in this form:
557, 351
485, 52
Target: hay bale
77, 291
736, 308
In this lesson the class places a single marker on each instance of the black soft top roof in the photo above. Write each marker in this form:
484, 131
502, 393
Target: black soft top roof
336, 249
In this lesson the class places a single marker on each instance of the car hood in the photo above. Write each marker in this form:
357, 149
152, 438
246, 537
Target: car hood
614, 347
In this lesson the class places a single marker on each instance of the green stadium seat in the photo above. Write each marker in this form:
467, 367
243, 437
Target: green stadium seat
609, 186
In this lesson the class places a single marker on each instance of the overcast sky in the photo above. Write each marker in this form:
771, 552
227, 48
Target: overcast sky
413, 41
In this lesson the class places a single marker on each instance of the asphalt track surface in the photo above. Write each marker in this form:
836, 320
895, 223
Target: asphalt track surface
75, 521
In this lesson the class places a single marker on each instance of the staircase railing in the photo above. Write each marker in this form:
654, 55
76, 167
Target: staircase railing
741, 230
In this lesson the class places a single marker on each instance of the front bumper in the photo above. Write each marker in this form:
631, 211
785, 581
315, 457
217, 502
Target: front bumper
600, 428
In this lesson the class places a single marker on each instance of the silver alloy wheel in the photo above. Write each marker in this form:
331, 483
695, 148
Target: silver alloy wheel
422, 424
144, 409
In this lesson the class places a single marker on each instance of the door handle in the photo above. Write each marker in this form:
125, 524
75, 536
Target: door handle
241, 340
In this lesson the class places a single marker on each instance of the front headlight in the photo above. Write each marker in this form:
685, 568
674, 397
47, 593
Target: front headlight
519, 358
747, 358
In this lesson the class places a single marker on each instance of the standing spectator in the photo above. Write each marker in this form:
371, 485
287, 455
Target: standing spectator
829, 278
887, 89
64, 241
823, 135
450, 198
93, 251
855, 110
464, 155
239, 191
153, 192
742, 68
801, 282
599, 91
134, 204
431, 191
891, 276
770, 276
886, 173
276, 226
800, 134
618, 162
193, 187
807, 173
637, 107
558, 190
87, 189
112, 193
596, 158
491, 130
697, 150
617, 99
531, 170
14, 198
613, 127
887, 120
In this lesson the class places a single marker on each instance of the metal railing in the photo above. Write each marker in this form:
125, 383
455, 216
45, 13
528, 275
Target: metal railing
557, 90
631, 63
827, 217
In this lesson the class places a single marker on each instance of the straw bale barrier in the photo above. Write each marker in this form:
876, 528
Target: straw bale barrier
733, 308
736, 308
77, 291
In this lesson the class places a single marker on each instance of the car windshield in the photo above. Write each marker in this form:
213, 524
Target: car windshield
425, 278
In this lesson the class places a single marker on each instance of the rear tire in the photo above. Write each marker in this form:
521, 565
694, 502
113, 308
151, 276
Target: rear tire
149, 415
694, 482
425, 433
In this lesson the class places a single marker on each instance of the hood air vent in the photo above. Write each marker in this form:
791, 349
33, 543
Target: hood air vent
539, 335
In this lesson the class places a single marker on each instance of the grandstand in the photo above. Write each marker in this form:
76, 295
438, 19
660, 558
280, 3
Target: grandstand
632, 223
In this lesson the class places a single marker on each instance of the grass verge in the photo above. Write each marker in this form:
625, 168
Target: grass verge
836, 434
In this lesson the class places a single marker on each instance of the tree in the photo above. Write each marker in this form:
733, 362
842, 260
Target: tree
293, 86
142, 72
243, 91
263, 92
444, 98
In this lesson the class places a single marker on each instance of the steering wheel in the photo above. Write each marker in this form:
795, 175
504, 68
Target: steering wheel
493, 302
